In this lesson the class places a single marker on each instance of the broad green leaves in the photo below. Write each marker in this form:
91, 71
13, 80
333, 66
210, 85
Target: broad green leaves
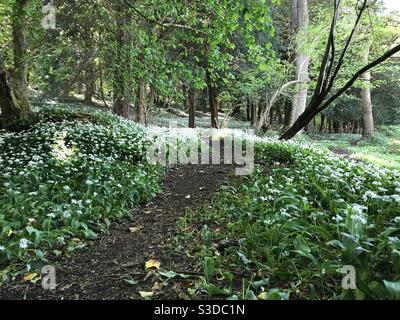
299, 223
47, 204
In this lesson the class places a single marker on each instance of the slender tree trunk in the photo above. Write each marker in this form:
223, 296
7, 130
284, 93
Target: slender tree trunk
248, 109
260, 109
192, 108
271, 116
236, 108
288, 112
151, 99
122, 104
101, 83
252, 111
366, 102
355, 126
322, 126
141, 102
300, 21
90, 84
280, 116
213, 103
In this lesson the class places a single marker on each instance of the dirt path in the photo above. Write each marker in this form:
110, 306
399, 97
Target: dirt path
340, 152
98, 271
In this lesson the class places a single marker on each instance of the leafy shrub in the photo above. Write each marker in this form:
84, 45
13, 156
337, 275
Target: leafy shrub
272, 152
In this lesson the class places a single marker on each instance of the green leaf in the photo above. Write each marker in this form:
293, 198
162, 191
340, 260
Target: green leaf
89, 234
215, 291
243, 258
131, 281
209, 268
173, 274
260, 283
263, 67
393, 288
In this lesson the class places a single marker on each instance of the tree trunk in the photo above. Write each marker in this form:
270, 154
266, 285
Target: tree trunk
355, 126
300, 21
141, 102
122, 69
322, 126
89, 85
213, 103
253, 111
271, 116
366, 102
122, 107
280, 117
340, 125
7, 105
151, 100
248, 109
14, 103
260, 109
236, 108
192, 109
20, 72
101, 83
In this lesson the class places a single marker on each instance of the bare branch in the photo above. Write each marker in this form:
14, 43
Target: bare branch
328, 51
356, 76
350, 38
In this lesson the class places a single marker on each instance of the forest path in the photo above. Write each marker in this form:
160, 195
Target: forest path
100, 270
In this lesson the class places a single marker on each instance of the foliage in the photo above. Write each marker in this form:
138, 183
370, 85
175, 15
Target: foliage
62, 182
292, 228
383, 149
377, 32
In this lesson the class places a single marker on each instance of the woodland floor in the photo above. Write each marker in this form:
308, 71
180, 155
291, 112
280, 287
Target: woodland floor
99, 271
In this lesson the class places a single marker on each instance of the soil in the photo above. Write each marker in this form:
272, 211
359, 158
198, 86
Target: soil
340, 152
100, 271
345, 154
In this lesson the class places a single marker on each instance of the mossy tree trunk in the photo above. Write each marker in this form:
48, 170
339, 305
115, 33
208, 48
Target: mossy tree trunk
14, 104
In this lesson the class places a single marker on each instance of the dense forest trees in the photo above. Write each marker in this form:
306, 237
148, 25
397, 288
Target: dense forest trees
258, 60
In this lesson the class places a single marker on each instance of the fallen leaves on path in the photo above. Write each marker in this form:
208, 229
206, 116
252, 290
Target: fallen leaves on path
157, 286
153, 264
135, 229
145, 294
29, 277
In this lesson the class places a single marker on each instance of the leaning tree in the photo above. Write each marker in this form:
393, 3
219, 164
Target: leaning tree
330, 67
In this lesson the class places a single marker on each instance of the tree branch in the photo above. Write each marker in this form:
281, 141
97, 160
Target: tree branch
350, 38
356, 76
